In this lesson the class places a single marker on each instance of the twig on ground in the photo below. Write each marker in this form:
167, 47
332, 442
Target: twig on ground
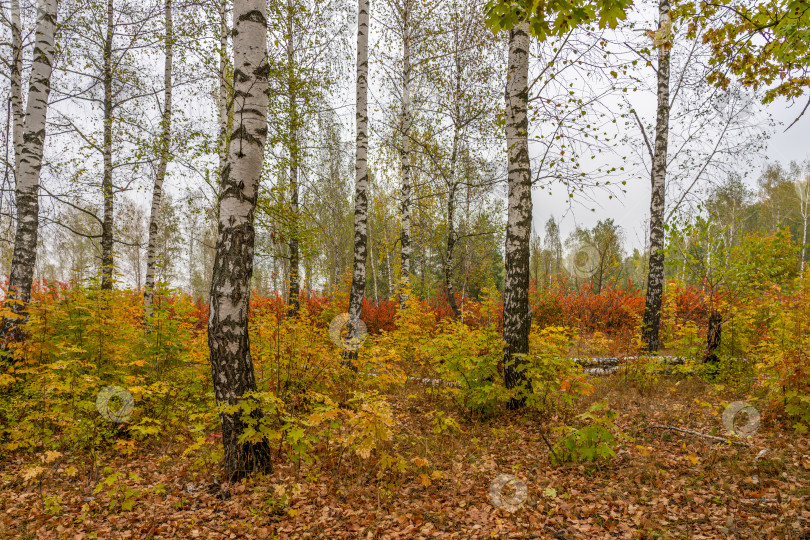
226, 534
550, 448
699, 434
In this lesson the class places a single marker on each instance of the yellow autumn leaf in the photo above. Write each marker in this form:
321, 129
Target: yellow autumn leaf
51, 456
425, 479
420, 462
33, 473
644, 450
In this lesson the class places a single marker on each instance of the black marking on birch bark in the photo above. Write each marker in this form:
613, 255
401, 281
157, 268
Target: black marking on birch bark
655, 275
516, 323
228, 339
27, 176
253, 16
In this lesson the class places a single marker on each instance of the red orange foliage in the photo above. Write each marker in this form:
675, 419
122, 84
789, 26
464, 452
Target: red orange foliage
615, 310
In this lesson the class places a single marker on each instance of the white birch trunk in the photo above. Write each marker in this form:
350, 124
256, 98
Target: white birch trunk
405, 159
228, 341
804, 201
516, 316
451, 228
107, 261
373, 271
361, 172
294, 134
388, 273
655, 274
803, 191
16, 84
165, 141
224, 102
24, 258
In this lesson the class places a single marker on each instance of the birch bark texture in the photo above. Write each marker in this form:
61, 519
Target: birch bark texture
452, 235
107, 261
655, 275
228, 341
516, 315
225, 101
160, 175
24, 257
804, 206
361, 172
405, 158
293, 294
16, 83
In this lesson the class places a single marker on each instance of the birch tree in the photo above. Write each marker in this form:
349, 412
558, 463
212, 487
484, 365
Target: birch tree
28, 173
548, 20
294, 292
516, 316
16, 96
465, 99
107, 151
228, 341
106, 86
655, 275
803, 192
331, 201
405, 156
361, 172
306, 38
407, 23
163, 160
225, 79
700, 134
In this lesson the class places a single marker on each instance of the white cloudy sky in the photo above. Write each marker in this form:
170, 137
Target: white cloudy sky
631, 210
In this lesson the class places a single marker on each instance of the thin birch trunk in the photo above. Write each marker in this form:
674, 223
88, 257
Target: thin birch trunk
16, 84
804, 238
225, 101
803, 188
373, 271
228, 341
516, 315
655, 274
423, 268
405, 159
467, 228
388, 273
451, 230
165, 141
294, 279
107, 261
23, 262
361, 174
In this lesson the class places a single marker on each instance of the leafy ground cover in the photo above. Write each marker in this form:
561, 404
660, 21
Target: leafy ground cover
383, 454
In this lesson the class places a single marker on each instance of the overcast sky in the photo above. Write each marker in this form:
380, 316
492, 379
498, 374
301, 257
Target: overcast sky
631, 210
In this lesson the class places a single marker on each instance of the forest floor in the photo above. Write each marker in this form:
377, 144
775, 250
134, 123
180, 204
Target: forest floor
661, 484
